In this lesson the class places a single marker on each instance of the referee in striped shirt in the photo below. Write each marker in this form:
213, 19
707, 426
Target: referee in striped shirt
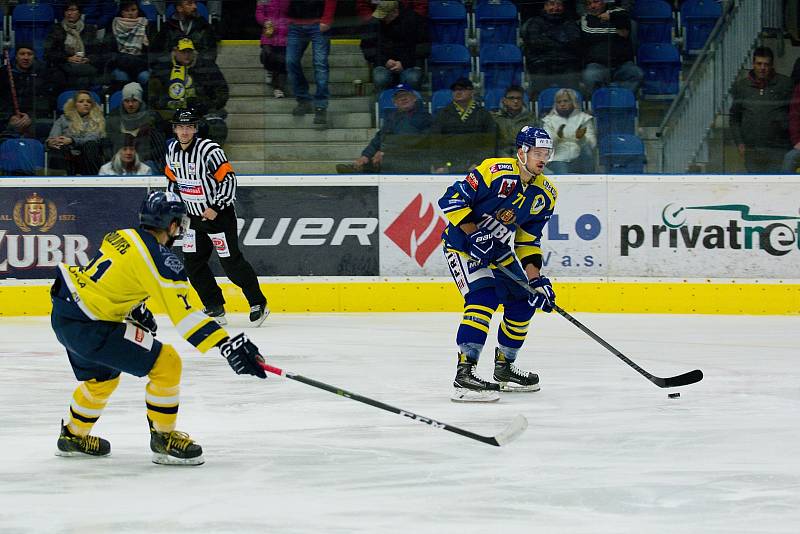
199, 171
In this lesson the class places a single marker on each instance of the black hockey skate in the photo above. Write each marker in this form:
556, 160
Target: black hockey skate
217, 313
512, 379
469, 387
174, 448
258, 313
71, 445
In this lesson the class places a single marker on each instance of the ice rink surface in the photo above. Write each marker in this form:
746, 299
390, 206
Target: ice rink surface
605, 452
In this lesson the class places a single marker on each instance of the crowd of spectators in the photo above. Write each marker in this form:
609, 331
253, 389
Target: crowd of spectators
575, 46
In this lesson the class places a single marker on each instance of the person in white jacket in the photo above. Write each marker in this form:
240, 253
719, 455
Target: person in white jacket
126, 162
573, 135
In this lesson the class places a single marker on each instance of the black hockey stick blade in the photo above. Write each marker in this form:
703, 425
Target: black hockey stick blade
671, 382
509, 434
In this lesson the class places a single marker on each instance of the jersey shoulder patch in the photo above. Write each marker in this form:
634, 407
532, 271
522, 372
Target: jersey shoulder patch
168, 264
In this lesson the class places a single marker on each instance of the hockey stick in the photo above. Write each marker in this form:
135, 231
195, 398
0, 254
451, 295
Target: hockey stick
511, 432
670, 382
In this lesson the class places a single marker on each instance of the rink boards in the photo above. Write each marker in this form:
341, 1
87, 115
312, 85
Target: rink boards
634, 244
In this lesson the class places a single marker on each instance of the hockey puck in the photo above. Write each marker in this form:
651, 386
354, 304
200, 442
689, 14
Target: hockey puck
673, 395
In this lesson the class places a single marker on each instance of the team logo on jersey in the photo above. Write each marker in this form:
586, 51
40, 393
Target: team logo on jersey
506, 216
191, 167
506, 187
472, 180
538, 204
501, 167
191, 189
35, 213
175, 165
173, 262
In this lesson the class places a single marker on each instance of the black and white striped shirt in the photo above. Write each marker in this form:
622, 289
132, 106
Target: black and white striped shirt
201, 175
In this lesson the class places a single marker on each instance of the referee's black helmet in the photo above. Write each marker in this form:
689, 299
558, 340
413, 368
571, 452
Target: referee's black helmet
185, 116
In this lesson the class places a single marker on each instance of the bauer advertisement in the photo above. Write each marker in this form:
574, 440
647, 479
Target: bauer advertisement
41, 227
575, 240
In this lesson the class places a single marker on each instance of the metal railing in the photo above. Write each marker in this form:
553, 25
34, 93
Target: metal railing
705, 92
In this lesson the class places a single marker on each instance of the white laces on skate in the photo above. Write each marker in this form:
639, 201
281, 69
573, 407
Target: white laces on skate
518, 372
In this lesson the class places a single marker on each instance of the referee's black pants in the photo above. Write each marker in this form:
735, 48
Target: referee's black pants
236, 268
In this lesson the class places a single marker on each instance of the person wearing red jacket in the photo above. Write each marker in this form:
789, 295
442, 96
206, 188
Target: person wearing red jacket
310, 22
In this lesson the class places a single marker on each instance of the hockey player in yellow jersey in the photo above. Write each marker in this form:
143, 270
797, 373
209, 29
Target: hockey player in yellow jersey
502, 203
99, 315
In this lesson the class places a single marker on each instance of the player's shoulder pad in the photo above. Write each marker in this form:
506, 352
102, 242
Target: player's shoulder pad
166, 262
496, 167
544, 183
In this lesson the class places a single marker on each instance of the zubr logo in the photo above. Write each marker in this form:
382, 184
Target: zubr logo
417, 234
776, 235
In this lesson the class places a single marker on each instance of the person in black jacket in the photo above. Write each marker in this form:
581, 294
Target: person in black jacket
607, 48
35, 87
185, 23
393, 41
551, 42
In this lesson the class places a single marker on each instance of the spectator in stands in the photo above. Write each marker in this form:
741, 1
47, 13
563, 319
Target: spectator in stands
791, 161
573, 135
126, 161
272, 16
35, 88
510, 119
74, 48
146, 127
392, 42
607, 48
310, 22
185, 23
77, 141
552, 45
401, 136
463, 133
365, 8
128, 41
195, 82
100, 13
760, 114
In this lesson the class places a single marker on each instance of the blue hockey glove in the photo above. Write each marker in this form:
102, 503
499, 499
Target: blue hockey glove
485, 248
143, 318
242, 356
544, 296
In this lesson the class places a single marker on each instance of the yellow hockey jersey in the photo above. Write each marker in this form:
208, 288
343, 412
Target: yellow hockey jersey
129, 267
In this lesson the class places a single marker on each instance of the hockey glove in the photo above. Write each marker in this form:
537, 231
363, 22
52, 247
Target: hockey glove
485, 248
544, 296
143, 318
242, 356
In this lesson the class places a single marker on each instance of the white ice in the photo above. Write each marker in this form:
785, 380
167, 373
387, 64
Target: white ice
606, 450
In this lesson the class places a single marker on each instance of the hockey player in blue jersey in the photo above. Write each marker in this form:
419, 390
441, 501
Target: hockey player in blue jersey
496, 216
100, 317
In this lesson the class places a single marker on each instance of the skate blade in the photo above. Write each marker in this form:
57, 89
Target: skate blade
471, 395
257, 323
79, 454
511, 387
166, 459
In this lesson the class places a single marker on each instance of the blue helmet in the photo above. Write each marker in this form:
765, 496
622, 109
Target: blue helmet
532, 137
160, 208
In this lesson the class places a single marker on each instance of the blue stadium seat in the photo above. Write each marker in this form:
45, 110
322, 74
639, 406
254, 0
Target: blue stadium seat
150, 13
500, 65
661, 63
622, 154
66, 95
447, 63
492, 99
21, 156
202, 10
114, 101
440, 99
546, 99
614, 109
30, 23
386, 103
448, 21
654, 19
496, 22
698, 18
